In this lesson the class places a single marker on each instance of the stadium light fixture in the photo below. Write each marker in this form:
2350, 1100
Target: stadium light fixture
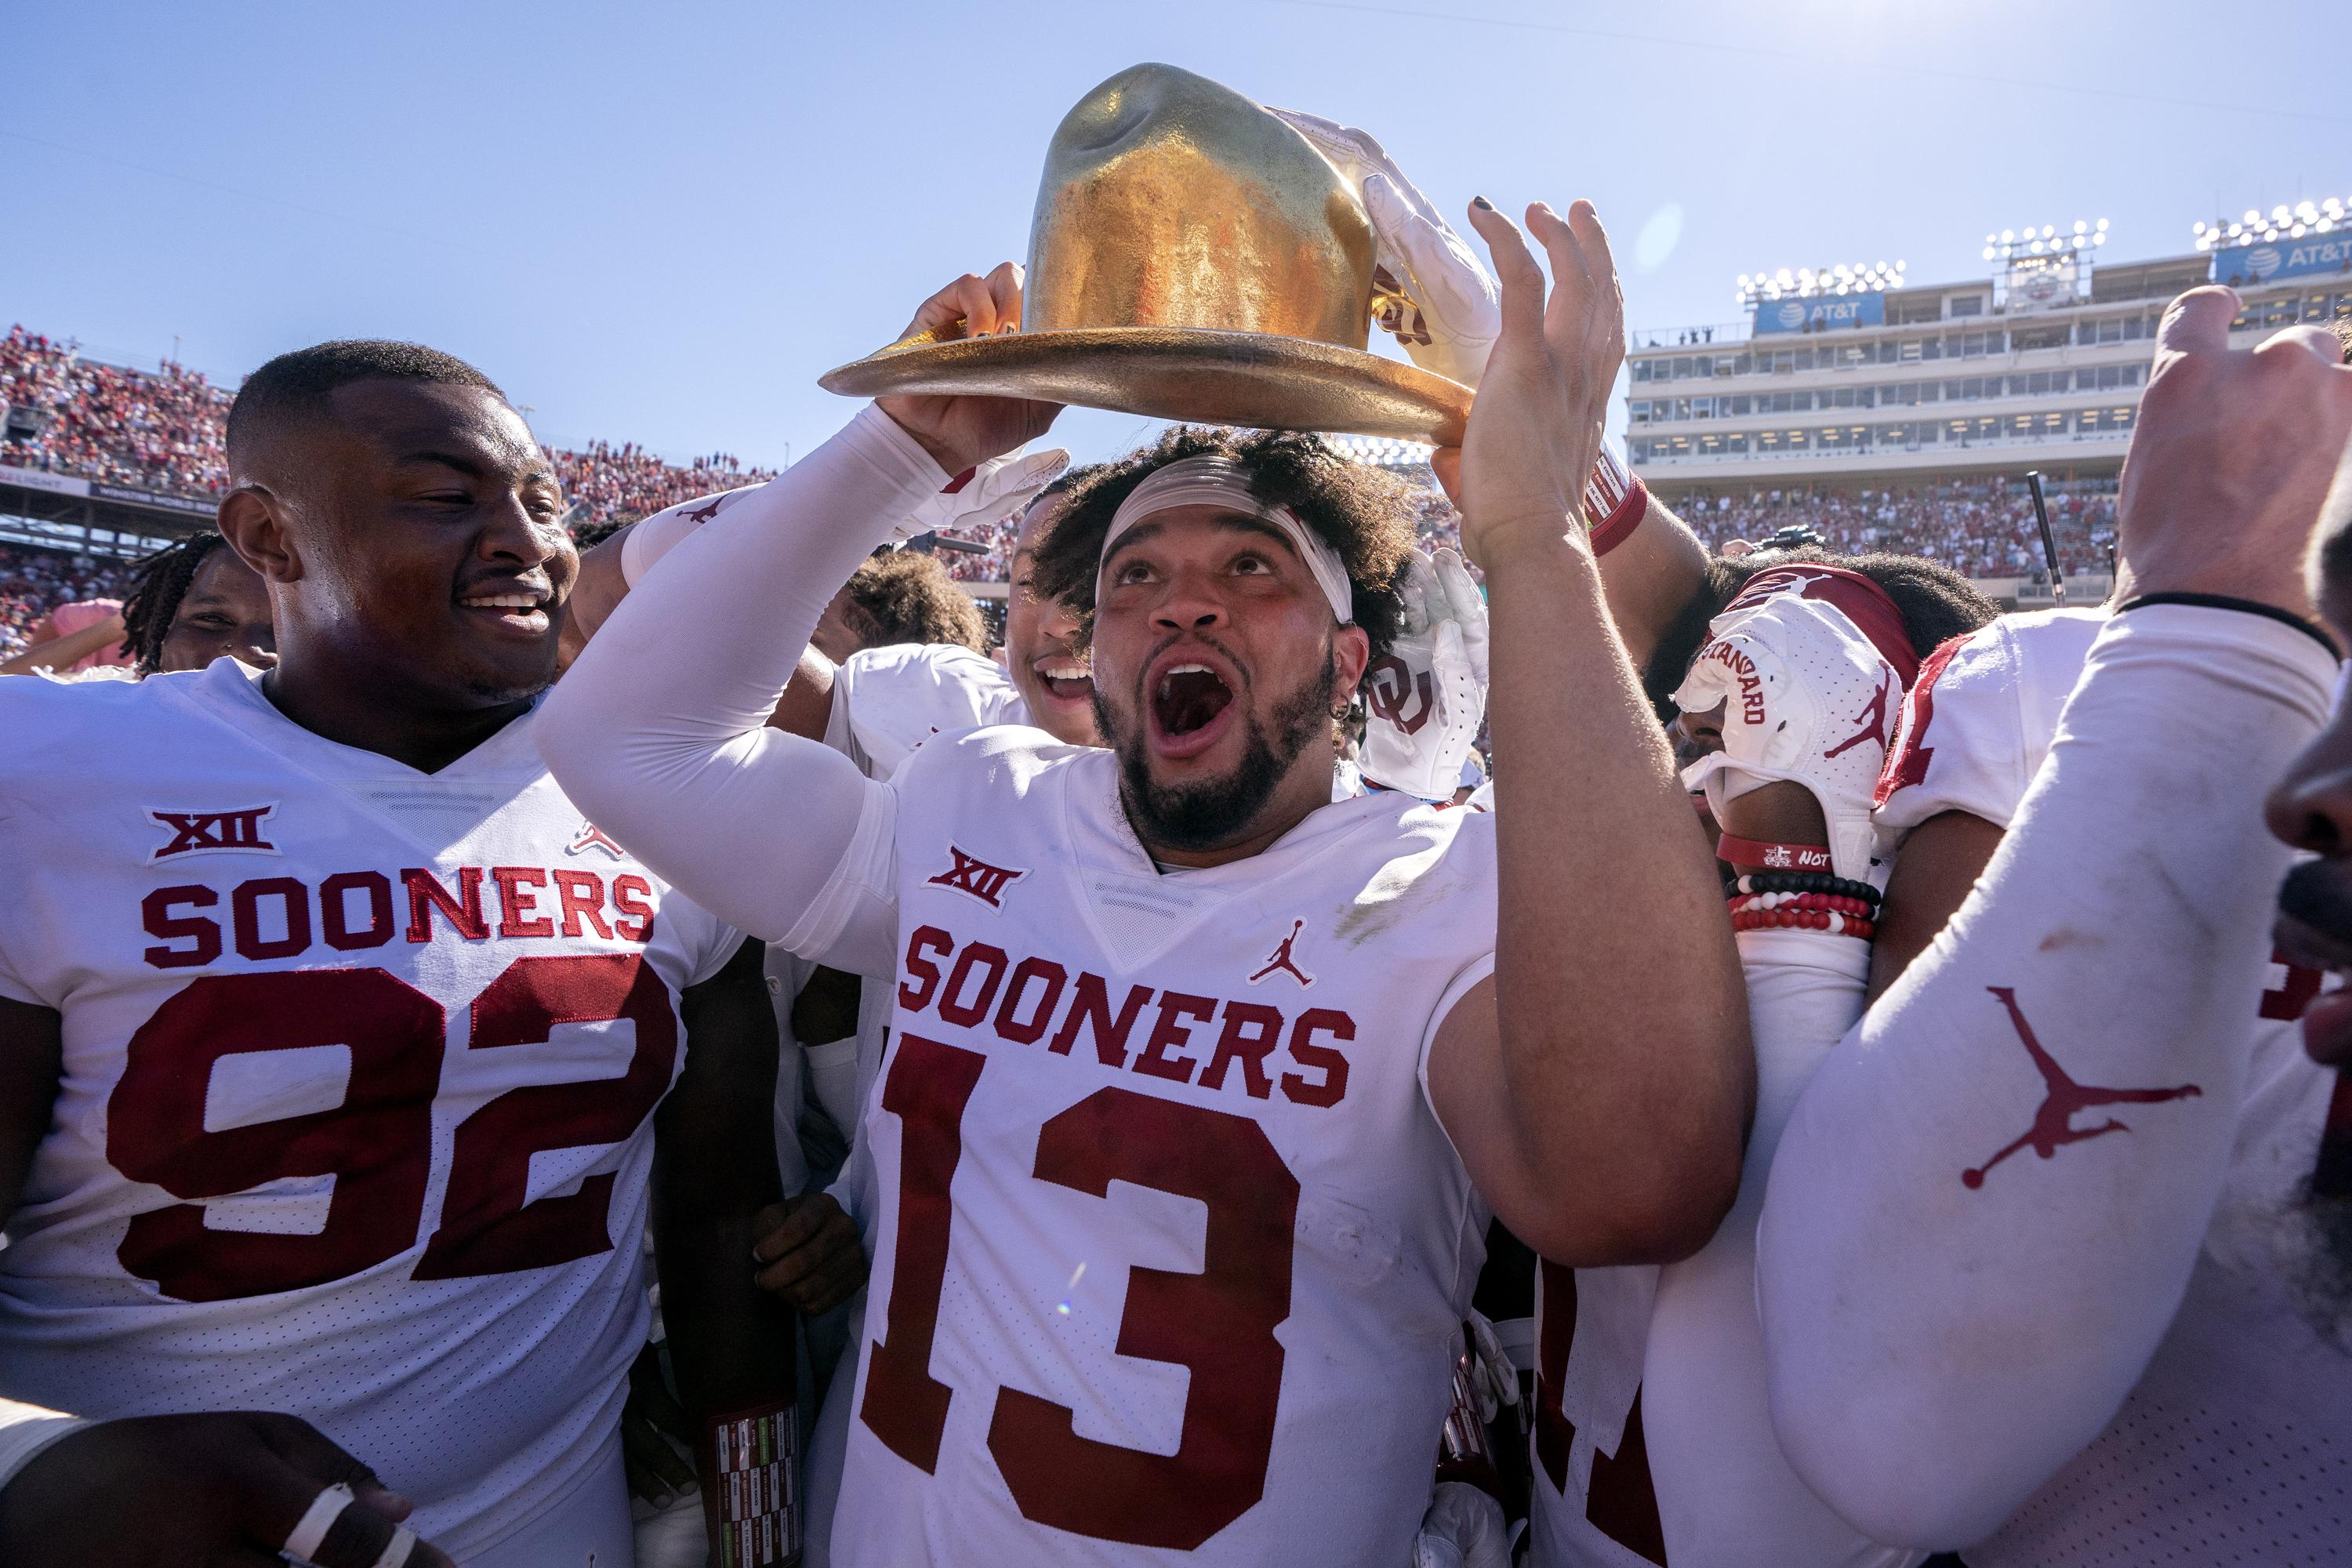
2282, 222
2047, 240
1846, 277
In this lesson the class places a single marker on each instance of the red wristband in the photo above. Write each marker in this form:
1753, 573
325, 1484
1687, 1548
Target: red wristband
1771, 857
751, 1487
1623, 518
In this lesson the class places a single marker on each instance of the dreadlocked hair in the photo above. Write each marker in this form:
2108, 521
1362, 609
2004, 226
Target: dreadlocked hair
153, 602
1936, 605
1364, 513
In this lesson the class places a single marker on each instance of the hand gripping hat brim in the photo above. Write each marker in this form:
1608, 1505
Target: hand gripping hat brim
1193, 257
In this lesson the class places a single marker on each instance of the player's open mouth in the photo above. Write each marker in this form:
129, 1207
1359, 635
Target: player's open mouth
1067, 679
1190, 708
522, 610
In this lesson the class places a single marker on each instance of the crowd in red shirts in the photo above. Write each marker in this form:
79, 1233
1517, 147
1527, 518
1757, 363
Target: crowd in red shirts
162, 430
1982, 527
35, 581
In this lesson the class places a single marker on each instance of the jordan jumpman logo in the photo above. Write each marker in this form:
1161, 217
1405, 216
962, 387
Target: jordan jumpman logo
2055, 1123
1873, 718
1282, 960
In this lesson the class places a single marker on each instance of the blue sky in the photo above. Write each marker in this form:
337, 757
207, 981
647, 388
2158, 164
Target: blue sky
661, 224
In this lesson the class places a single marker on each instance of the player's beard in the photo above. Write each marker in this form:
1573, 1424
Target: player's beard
2323, 1282
1213, 812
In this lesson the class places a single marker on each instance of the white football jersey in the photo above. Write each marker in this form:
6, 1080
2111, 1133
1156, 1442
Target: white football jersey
360, 1064
1592, 1503
888, 701
1977, 722
2238, 1438
1173, 1252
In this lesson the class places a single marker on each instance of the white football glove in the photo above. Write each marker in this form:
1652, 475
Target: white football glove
995, 490
1429, 291
1464, 1528
1805, 696
1425, 697
1494, 1377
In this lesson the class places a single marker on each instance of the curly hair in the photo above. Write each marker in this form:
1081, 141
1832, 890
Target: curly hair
153, 602
905, 595
1364, 513
1937, 603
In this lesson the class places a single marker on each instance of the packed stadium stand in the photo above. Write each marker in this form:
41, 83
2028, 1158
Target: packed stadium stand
157, 434
34, 581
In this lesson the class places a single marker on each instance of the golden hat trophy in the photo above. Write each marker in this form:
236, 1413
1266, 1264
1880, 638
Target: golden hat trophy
1193, 257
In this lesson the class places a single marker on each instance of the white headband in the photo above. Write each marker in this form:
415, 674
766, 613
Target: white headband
1224, 484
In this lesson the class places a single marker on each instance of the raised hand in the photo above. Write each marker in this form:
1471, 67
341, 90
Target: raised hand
2231, 454
1429, 291
231, 1488
961, 431
996, 489
1536, 428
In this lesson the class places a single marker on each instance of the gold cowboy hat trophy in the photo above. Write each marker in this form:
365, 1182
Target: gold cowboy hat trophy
1193, 257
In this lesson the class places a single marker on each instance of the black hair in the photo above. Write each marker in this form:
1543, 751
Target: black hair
153, 602
296, 386
1364, 513
1936, 605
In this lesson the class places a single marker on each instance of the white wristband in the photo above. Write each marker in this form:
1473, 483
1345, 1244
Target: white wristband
310, 1531
25, 1430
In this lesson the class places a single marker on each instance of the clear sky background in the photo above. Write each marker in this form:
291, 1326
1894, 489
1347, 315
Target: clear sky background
663, 223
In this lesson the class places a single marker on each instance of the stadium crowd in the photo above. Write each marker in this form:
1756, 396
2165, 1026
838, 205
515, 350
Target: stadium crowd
1983, 528
162, 430
476, 1010
35, 581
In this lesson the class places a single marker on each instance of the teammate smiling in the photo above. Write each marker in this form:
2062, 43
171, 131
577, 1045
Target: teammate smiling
337, 1054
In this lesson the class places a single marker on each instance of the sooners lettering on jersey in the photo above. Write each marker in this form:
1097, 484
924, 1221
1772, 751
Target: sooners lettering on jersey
1169, 1262
2242, 1390
359, 1064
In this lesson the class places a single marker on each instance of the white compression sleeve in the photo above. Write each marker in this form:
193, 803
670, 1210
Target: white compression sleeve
25, 1430
657, 731
1725, 1493
654, 538
1962, 1268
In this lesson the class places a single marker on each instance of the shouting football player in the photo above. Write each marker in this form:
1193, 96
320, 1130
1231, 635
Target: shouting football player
340, 1052
2027, 1274
1191, 1066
